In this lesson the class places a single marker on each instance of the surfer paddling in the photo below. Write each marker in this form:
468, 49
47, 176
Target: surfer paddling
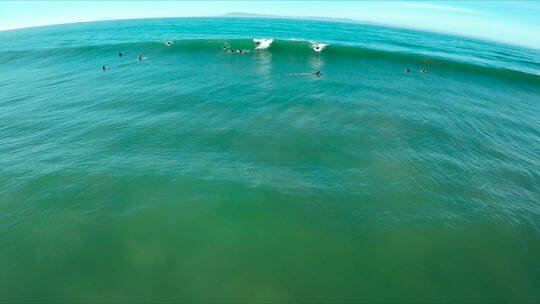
230, 51
318, 73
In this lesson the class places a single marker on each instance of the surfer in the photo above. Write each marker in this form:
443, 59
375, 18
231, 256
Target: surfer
225, 47
406, 70
120, 54
423, 71
103, 68
169, 43
318, 47
318, 73
262, 43
236, 51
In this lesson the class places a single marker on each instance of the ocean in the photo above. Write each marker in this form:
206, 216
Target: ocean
199, 175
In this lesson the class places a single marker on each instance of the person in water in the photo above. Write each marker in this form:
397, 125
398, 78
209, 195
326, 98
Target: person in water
318, 73
406, 70
103, 68
236, 51
423, 71
120, 54
140, 58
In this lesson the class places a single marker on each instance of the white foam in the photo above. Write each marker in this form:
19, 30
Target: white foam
318, 47
263, 43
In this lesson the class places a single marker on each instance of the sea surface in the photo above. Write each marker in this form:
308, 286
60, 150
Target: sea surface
199, 175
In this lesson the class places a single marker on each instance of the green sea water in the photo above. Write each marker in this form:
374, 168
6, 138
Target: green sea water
198, 175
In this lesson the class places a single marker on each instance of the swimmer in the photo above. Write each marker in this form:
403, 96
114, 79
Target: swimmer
225, 47
168, 43
407, 70
423, 71
318, 73
120, 54
103, 68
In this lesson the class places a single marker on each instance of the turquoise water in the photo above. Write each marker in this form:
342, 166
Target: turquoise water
202, 176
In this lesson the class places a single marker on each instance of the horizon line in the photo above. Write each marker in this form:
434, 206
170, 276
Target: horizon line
263, 16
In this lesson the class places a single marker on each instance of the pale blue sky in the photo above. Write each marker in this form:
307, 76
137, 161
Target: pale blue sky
516, 22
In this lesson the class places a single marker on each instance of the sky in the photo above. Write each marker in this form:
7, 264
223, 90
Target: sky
515, 22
